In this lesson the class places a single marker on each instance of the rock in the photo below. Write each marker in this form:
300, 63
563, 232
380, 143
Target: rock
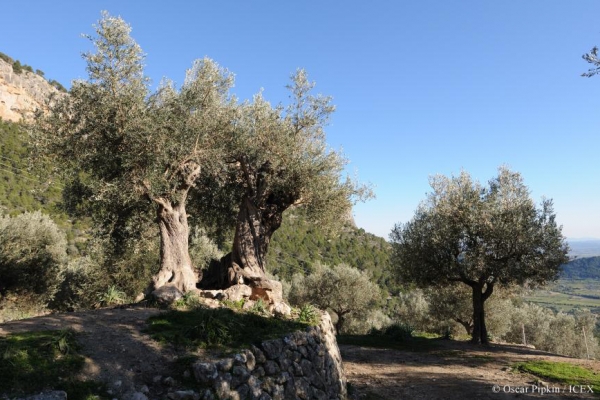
21, 95
250, 360
239, 359
258, 354
271, 368
167, 294
225, 364
205, 373
139, 297
168, 381
240, 376
208, 395
184, 395
157, 379
144, 389
139, 396
303, 389
281, 309
222, 386
272, 348
50, 395
238, 292
268, 290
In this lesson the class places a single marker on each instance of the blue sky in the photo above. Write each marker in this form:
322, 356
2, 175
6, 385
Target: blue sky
421, 87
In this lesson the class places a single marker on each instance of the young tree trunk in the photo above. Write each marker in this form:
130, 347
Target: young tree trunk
468, 325
175, 263
341, 321
480, 334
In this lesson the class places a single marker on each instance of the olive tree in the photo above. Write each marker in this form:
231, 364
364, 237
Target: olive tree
480, 236
454, 303
131, 152
345, 290
277, 160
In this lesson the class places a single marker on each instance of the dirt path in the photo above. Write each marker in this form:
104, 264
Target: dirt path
118, 353
457, 370
116, 350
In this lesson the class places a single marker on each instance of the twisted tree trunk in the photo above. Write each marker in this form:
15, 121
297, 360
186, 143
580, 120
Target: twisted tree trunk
175, 263
253, 233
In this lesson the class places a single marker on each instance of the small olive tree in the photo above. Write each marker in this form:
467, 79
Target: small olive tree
32, 252
345, 290
480, 236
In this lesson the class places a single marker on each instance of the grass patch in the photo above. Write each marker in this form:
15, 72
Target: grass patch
220, 328
559, 372
31, 362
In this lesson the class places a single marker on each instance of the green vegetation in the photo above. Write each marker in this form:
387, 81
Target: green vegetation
568, 295
582, 268
482, 236
564, 373
298, 246
34, 361
347, 291
220, 328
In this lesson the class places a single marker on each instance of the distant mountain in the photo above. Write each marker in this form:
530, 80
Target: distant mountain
584, 248
582, 268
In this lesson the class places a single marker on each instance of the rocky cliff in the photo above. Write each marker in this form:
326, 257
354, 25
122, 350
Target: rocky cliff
22, 94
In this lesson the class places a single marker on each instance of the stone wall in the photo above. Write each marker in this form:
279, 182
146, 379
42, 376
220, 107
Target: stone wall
301, 365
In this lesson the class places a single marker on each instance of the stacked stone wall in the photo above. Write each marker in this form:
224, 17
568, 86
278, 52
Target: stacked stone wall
301, 365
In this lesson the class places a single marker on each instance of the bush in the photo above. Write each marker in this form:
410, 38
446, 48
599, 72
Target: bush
17, 67
202, 249
32, 252
347, 291
82, 283
554, 332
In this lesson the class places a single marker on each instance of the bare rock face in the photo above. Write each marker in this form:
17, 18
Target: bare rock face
21, 95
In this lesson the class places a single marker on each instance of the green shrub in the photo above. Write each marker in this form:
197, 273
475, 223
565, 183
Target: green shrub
32, 252
398, 331
17, 67
6, 58
113, 296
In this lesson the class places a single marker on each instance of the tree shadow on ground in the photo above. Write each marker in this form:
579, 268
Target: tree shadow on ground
116, 350
448, 370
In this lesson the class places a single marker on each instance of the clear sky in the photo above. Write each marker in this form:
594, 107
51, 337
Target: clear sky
421, 87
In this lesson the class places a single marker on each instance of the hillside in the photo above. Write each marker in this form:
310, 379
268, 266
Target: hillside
582, 268
298, 245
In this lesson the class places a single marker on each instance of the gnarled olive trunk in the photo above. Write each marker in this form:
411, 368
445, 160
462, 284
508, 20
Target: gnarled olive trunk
253, 233
480, 334
175, 263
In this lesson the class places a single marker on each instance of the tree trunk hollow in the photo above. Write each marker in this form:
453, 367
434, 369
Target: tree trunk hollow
175, 263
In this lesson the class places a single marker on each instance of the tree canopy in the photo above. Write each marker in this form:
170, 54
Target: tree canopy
480, 236
127, 153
